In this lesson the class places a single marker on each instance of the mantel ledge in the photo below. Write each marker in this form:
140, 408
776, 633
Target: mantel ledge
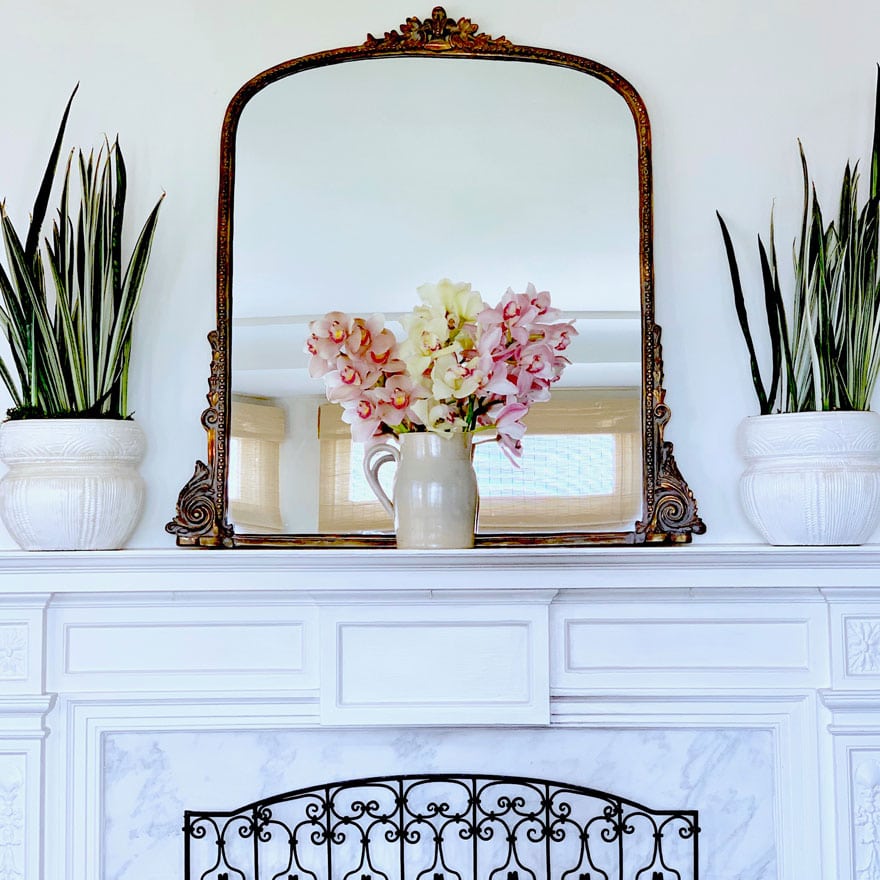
850, 701
837, 572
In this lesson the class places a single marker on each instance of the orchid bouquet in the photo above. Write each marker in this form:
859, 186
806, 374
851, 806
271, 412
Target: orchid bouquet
463, 366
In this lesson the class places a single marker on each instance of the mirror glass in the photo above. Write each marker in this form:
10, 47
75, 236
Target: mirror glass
356, 183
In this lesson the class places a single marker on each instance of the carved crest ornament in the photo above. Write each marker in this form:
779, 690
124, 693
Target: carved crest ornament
669, 509
439, 33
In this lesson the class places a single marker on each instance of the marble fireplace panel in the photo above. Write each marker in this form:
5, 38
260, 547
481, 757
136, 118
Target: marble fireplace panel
149, 779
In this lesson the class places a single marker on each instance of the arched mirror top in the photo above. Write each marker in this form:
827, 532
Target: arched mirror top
345, 187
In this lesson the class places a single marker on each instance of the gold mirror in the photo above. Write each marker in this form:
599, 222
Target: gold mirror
366, 171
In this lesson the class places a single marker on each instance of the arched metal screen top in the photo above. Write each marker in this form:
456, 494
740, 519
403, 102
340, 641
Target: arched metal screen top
442, 827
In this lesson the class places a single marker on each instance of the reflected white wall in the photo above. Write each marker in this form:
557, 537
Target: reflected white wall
357, 183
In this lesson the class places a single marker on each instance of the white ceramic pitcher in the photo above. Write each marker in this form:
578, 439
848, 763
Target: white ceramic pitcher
435, 489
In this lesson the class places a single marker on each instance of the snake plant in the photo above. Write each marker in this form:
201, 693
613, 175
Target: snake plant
827, 355
66, 308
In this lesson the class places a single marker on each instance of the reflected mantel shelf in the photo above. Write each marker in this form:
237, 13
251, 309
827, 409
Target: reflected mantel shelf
702, 567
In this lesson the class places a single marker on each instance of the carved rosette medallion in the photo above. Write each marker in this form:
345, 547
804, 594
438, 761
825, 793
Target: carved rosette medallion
863, 645
866, 816
13, 652
439, 33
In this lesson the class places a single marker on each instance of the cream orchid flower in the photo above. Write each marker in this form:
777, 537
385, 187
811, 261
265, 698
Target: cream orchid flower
427, 335
441, 418
453, 300
463, 366
451, 378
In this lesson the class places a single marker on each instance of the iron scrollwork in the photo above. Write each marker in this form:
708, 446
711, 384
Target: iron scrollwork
669, 510
442, 827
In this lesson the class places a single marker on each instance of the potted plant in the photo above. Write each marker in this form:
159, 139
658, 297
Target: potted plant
67, 308
813, 455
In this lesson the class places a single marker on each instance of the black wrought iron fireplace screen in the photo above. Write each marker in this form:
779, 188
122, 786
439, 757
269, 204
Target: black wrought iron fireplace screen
442, 827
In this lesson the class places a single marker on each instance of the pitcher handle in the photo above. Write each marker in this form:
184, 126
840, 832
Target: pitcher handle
377, 455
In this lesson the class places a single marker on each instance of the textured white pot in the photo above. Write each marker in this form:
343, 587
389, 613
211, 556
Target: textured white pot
813, 477
72, 484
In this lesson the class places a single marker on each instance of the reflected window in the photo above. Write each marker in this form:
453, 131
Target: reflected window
581, 469
256, 432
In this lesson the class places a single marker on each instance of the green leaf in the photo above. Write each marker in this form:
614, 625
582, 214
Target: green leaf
65, 329
789, 398
772, 305
118, 217
39, 212
45, 353
131, 288
875, 143
742, 314
9, 382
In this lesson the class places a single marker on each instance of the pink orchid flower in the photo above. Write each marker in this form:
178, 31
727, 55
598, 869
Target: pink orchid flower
541, 301
334, 327
559, 336
362, 334
326, 340
511, 430
350, 379
538, 359
364, 416
499, 383
383, 348
399, 395
318, 364
463, 366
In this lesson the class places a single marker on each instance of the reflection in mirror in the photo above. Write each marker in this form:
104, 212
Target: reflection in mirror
581, 467
357, 183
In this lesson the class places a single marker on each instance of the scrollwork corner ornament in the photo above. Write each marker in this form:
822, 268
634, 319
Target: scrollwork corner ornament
199, 520
674, 516
675, 508
439, 33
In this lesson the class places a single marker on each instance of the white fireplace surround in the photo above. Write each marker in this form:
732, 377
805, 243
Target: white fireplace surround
119, 664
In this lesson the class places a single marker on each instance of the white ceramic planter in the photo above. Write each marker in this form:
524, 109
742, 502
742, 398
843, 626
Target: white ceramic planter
435, 489
812, 478
72, 484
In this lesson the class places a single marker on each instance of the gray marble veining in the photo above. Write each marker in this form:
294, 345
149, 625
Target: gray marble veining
150, 778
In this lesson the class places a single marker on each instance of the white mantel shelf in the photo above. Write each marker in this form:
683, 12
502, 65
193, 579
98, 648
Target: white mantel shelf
775, 646
695, 566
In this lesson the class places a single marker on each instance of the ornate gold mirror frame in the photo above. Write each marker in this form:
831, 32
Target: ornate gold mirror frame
669, 510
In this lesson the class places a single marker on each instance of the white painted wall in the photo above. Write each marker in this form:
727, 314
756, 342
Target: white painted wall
729, 87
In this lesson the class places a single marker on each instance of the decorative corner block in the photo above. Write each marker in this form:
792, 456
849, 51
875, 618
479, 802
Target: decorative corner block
862, 645
13, 652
